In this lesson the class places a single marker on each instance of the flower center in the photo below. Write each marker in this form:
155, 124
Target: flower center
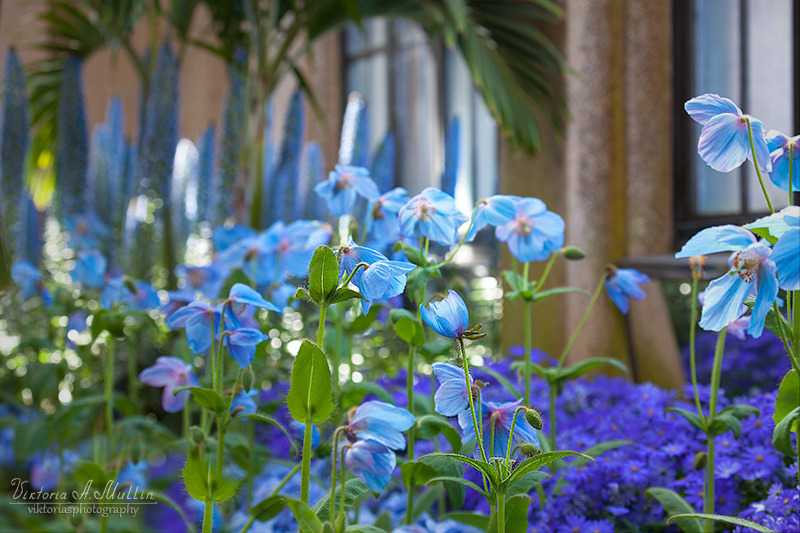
197, 278
82, 228
283, 247
523, 225
344, 181
424, 209
746, 263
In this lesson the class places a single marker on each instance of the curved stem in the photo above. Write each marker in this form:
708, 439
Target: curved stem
334, 457
460, 244
341, 514
475, 424
553, 394
546, 272
758, 171
583, 320
511, 435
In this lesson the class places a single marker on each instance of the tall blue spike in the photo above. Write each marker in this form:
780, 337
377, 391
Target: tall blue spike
383, 163
130, 177
117, 150
143, 99
13, 149
286, 175
312, 171
161, 126
452, 149
354, 143
101, 191
233, 121
33, 228
71, 141
205, 172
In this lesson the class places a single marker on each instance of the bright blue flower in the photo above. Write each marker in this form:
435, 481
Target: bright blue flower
282, 293
343, 186
785, 226
451, 397
374, 430
208, 280
113, 288
89, 269
432, 214
496, 420
133, 473
752, 272
382, 279
145, 297
448, 317
724, 141
245, 400
170, 372
197, 319
241, 296
534, 232
84, 231
779, 147
623, 284
177, 300
382, 223
223, 237
492, 211
29, 280
300, 429
242, 344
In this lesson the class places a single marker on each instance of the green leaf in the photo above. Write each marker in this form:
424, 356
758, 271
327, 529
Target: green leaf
534, 463
782, 435
788, 398
196, 476
410, 331
587, 365
677, 506
517, 513
84, 472
515, 281
362, 322
775, 322
360, 528
526, 482
353, 490
740, 411
539, 296
323, 275
724, 422
309, 397
223, 489
343, 294
268, 508
477, 520
599, 449
419, 278
306, 518
353, 393
425, 501
693, 418
764, 234
205, 398
439, 468
428, 426
487, 469
721, 518
413, 254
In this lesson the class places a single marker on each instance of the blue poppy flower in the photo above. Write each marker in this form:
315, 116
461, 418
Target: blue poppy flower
242, 344
207, 280
84, 231
724, 141
780, 146
371, 462
176, 300
133, 473
145, 297
89, 269
29, 280
534, 232
451, 397
383, 280
223, 237
752, 272
785, 226
382, 224
496, 420
113, 287
170, 372
492, 211
300, 430
432, 214
342, 187
448, 317
196, 318
245, 400
241, 296
282, 294
623, 284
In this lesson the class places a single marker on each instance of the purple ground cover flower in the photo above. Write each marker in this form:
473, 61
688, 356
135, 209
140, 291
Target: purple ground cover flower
170, 372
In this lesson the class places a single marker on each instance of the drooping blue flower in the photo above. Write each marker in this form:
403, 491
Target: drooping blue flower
245, 400
534, 232
223, 237
343, 186
785, 226
241, 296
133, 473
752, 272
242, 342
374, 430
497, 419
113, 289
432, 214
382, 224
623, 284
208, 280
492, 211
724, 141
383, 280
89, 269
781, 147
170, 372
29, 280
448, 317
197, 319
282, 293
451, 397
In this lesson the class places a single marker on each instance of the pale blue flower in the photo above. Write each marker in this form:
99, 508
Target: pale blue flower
623, 285
342, 187
170, 372
448, 317
451, 397
382, 224
534, 233
89, 269
492, 211
245, 400
242, 342
432, 214
780, 146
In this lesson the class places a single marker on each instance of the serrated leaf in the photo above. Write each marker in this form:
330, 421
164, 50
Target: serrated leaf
788, 398
353, 490
309, 397
677, 506
306, 518
782, 434
721, 518
205, 398
323, 275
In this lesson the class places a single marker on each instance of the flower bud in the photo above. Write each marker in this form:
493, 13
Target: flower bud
534, 418
573, 253
247, 379
530, 449
700, 459
197, 434
237, 410
130, 285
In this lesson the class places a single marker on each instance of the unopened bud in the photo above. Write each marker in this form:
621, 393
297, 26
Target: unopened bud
197, 434
247, 379
130, 285
573, 253
529, 449
237, 410
700, 459
534, 418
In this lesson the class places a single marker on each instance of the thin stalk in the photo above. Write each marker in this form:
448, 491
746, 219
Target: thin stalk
585, 317
109, 395
323, 309
212, 358
708, 502
341, 513
553, 394
758, 171
251, 440
133, 383
528, 339
334, 457
477, 427
306, 471
337, 356
411, 433
285, 479
784, 336
692, 349
546, 272
511, 435
187, 416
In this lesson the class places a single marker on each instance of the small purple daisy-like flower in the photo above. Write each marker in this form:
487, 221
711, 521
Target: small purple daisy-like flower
432, 214
343, 185
448, 317
170, 372
725, 141
623, 285
533, 233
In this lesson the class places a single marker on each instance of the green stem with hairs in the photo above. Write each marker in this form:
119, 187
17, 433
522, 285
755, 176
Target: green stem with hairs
306, 471
583, 320
553, 395
501, 512
460, 244
411, 433
528, 339
758, 171
478, 429
692, 349
341, 513
334, 457
708, 501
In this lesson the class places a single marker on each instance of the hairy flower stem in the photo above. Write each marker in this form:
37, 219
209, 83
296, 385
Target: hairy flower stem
334, 457
528, 339
208, 517
692, 349
758, 171
109, 395
412, 350
511, 435
341, 513
476, 425
553, 395
708, 501
501, 512
306, 469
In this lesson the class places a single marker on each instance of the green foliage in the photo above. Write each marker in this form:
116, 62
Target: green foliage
782, 434
306, 518
196, 475
323, 275
205, 398
269, 507
677, 507
720, 518
407, 327
309, 397
353, 490
788, 398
